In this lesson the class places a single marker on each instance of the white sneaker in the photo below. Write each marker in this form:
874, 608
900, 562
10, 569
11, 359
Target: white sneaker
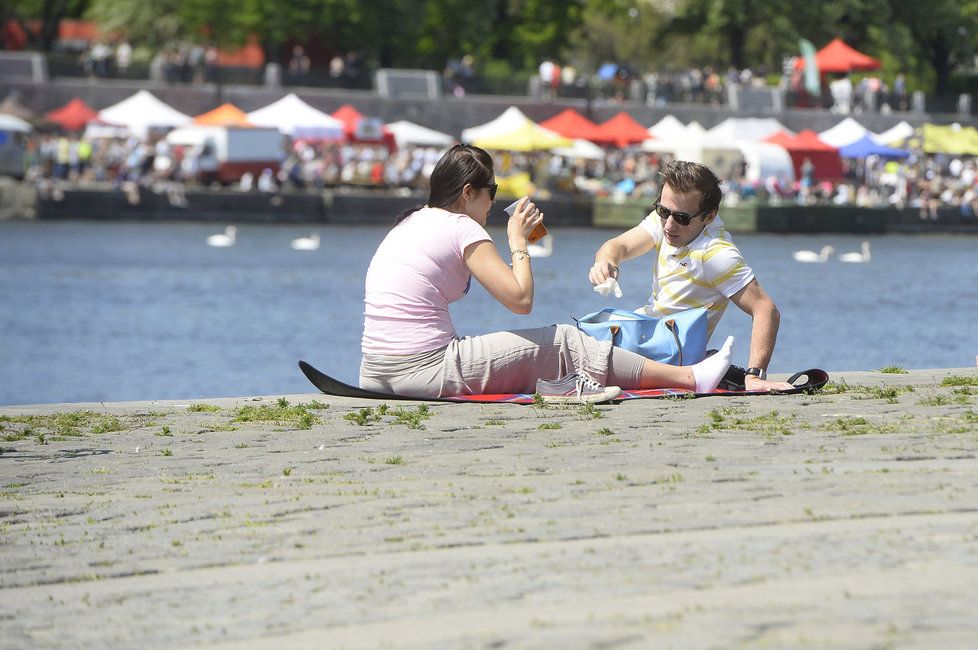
579, 389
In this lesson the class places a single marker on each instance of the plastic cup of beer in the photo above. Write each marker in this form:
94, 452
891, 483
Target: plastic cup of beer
539, 231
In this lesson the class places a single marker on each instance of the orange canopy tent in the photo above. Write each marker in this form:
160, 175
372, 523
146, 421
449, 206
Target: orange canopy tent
621, 130
571, 124
359, 128
837, 57
224, 115
73, 116
825, 157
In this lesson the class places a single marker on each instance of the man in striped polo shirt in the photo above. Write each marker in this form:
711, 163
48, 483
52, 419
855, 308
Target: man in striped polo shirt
696, 263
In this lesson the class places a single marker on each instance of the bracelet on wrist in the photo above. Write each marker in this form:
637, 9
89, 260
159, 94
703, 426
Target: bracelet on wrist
522, 252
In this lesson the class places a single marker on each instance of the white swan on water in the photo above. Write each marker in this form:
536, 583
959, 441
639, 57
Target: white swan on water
223, 240
812, 256
309, 243
857, 258
542, 248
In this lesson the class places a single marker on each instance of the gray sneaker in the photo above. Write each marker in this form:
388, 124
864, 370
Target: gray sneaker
579, 389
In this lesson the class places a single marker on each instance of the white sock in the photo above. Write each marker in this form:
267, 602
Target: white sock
711, 370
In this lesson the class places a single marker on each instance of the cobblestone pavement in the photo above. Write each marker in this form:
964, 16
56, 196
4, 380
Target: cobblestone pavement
846, 519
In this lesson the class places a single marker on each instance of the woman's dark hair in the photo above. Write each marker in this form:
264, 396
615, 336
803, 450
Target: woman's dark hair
683, 176
461, 165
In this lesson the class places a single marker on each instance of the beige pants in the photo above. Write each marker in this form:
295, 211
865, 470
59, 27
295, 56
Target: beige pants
502, 362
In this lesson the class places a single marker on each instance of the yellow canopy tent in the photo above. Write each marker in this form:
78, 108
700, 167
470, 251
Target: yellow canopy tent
953, 139
515, 185
527, 137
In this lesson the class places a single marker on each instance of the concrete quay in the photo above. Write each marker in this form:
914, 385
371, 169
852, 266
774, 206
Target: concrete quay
844, 519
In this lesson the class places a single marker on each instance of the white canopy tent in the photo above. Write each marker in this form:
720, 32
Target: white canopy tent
895, 134
668, 128
681, 148
580, 149
765, 159
724, 155
508, 121
408, 133
193, 135
762, 159
844, 133
297, 119
99, 129
753, 129
13, 123
661, 145
685, 145
142, 112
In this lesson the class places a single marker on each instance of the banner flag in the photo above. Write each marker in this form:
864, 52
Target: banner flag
812, 83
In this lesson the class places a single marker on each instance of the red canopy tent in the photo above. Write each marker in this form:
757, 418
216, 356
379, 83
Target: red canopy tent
837, 57
621, 130
358, 128
73, 116
571, 124
825, 157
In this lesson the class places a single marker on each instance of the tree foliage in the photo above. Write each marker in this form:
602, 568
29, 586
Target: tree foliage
942, 32
48, 12
928, 40
155, 24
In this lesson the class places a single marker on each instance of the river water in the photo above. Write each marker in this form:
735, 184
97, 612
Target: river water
135, 311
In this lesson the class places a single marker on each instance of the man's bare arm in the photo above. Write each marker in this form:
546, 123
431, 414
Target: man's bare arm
755, 302
613, 252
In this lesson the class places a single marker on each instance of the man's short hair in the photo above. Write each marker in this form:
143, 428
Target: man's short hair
684, 176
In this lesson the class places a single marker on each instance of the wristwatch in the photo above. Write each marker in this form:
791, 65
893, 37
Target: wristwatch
760, 373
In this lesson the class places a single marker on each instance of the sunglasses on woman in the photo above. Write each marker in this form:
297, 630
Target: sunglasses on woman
682, 218
492, 190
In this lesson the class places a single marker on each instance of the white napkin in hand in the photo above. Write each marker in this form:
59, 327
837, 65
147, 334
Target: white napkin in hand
608, 287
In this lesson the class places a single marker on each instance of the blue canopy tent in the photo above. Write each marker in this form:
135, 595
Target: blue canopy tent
867, 146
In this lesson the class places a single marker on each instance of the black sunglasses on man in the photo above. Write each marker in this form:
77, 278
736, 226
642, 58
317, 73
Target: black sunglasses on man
682, 218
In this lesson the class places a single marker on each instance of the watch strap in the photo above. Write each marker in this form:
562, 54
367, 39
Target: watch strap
760, 373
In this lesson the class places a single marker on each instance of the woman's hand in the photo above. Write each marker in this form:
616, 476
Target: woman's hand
525, 218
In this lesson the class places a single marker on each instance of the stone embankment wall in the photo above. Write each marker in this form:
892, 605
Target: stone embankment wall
21, 200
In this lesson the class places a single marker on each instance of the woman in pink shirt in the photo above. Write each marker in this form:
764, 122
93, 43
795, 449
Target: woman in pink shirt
427, 261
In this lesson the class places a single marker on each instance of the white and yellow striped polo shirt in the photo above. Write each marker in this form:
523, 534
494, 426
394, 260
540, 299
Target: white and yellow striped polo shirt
707, 271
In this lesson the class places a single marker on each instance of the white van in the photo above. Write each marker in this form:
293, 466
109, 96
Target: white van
13, 153
225, 153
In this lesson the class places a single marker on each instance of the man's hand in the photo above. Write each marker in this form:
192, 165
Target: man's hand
601, 270
613, 252
752, 382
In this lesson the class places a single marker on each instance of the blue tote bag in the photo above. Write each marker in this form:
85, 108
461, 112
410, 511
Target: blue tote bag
677, 339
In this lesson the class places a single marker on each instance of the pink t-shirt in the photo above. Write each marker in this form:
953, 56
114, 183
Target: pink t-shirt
417, 271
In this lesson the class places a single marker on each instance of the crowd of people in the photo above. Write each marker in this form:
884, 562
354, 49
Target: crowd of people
708, 85
616, 82
923, 182
195, 63
191, 63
